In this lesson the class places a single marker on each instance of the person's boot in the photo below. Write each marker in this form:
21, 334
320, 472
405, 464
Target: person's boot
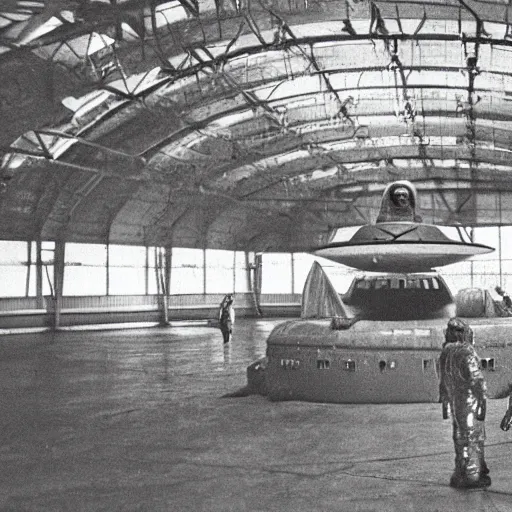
484, 469
476, 483
471, 470
457, 478
485, 479
460, 481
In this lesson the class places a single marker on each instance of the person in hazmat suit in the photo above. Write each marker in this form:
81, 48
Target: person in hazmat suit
503, 307
462, 391
506, 422
399, 203
227, 317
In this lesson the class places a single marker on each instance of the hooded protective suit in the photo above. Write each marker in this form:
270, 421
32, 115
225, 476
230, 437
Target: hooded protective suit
227, 317
506, 422
462, 390
399, 203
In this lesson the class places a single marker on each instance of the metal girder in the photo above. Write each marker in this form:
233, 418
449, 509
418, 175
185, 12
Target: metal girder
287, 44
125, 174
239, 109
365, 155
191, 6
199, 173
136, 160
351, 151
215, 61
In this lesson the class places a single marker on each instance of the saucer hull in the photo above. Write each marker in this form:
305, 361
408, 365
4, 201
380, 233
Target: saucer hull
400, 256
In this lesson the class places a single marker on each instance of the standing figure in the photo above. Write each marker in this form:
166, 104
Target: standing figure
504, 308
227, 317
462, 391
506, 422
399, 203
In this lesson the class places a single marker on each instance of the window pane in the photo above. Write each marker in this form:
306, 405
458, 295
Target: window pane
457, 276
276, 273
47, 252
85, 271
187, 257
487, 236
127, 270
187, 271
13, 252
127, 281
13, 279
47, 279
241, 276
127, 256
33, 279
86, 254
151, 257
301, 266
219, 271
85, 280
187, 280
152, 285
506, 246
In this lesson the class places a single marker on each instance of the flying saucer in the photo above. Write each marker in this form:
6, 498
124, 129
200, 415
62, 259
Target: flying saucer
399, 241
400, 247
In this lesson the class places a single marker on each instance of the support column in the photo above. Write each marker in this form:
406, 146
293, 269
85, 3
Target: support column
107, 270
161, 285
293, 273
251, 276
204, 271
472, 238
166, 283
39, 276
258, 275
162, 272
499, 241
58, 280
168, 270
29, 268
248, 271
500, 255
234, 271
157, 273
146, 272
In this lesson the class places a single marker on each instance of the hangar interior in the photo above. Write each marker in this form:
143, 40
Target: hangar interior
256, 128
156, 155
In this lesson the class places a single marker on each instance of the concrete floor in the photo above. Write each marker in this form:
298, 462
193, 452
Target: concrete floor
134, 420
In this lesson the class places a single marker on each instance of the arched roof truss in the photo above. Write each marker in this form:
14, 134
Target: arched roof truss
250, 125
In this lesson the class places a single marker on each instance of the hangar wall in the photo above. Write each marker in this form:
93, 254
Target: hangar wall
21, 312
120, 284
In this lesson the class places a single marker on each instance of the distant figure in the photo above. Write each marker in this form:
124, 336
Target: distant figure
462, 391
399, 203
507, 419
503, 308
227, 317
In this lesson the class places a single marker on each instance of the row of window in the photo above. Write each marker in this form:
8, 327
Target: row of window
131, 271
395, 283
486, 363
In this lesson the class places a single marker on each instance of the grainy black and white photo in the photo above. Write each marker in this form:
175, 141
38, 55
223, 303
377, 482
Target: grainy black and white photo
255, 255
